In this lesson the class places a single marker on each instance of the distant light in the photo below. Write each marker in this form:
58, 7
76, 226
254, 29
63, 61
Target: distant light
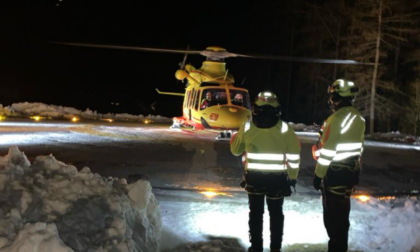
211, 193
362, 198
109, 120
386, 198
147, 121
2, 117
36, 118
75, 119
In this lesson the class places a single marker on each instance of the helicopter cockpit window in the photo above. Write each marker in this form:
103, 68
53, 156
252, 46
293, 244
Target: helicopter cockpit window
240, 98
211, 97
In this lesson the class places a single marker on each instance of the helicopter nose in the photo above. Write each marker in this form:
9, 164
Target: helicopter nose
235, 117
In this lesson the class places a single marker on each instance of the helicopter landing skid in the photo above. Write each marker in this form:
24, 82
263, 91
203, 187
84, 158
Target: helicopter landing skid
175, 125
225, 135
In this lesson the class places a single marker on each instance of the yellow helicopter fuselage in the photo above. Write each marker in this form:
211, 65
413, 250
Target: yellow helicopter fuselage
211, 100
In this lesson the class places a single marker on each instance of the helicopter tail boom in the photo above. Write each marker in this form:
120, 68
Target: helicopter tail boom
170, 93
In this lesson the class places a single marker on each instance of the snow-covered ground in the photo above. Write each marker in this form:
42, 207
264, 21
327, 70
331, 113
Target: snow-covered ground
26, 109
48, 205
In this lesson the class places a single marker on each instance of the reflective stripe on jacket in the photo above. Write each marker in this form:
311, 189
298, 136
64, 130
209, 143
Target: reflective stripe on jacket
268, 150
342, 138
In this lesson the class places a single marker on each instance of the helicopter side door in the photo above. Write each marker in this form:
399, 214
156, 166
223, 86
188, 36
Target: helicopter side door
197, 100
185, 107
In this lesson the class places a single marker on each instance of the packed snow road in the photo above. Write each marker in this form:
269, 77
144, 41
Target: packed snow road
188, 159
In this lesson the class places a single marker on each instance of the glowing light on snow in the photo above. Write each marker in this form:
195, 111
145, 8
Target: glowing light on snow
212, 194
108, 120
36, 118
13, 139
362, 198
219, 219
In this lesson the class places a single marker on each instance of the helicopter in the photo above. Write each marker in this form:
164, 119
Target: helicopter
211, 101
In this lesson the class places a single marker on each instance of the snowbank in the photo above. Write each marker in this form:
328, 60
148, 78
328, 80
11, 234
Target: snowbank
50, 206
25, 109
59, 112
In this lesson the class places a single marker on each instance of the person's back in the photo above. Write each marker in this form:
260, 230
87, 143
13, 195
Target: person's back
278, 143
338, 156
271, 149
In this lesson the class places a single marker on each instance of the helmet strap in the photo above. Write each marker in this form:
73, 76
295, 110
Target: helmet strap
336, 101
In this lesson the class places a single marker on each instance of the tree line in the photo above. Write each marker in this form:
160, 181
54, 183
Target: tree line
384, 33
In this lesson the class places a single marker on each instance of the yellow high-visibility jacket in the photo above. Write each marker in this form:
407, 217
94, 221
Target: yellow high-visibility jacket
342, 138
274, 150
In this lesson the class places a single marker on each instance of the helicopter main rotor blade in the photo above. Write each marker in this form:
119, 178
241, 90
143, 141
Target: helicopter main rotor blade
305, 59
218, 54
132, 48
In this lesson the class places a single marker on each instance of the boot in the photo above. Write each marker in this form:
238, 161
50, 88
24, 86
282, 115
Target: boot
255, 232
276, 231
250, 249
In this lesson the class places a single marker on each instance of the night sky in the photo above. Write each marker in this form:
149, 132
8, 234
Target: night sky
35, 70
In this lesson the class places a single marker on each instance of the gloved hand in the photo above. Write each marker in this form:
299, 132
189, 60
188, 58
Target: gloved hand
292, 182
243, 183
317, 182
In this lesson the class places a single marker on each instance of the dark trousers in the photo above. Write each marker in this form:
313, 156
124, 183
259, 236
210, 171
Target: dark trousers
256, 212
336, 220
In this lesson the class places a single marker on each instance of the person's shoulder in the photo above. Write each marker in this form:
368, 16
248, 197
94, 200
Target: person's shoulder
345, 111
342, 112
354, 110
285, 127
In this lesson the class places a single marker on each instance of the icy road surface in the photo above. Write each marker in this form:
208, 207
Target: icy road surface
183, 165
189, 159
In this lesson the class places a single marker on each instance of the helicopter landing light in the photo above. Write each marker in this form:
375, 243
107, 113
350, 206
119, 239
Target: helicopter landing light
233, 110
213, 116
37, 118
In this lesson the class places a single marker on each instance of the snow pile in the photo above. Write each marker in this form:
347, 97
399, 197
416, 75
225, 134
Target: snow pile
61, 112
386, 224
395, 136
50, 206
305, 128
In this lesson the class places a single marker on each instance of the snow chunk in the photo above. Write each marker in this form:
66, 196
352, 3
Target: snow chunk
57, 208
38, 237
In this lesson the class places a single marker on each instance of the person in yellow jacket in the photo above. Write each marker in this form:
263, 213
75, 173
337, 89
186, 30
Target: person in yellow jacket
338, 161
272, 155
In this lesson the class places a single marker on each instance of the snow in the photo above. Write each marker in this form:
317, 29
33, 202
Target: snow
48, 205
61, 112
